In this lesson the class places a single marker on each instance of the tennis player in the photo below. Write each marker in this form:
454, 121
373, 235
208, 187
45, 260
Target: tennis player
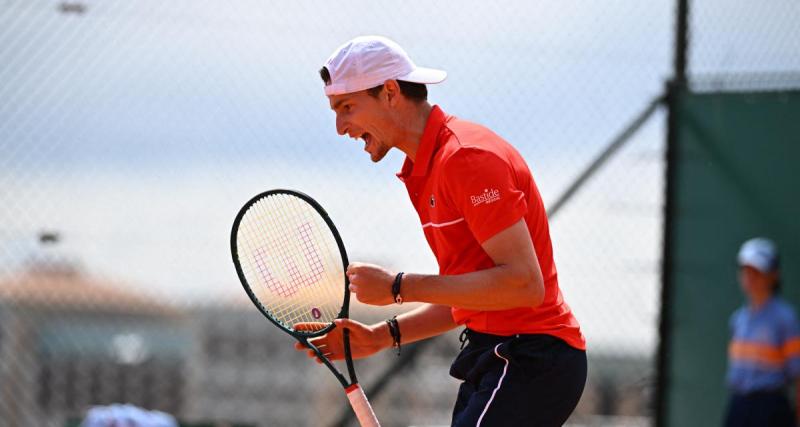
524, 362
764, 352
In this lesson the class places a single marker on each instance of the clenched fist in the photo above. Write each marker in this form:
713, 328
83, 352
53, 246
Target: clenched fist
372, 284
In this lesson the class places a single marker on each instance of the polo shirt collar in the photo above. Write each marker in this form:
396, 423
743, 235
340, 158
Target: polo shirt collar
427, 145
764, 307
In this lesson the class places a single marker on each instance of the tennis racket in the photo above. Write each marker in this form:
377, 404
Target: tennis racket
292, 262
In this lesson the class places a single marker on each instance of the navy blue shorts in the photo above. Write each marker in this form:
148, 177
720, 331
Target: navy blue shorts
765, 408
521, 380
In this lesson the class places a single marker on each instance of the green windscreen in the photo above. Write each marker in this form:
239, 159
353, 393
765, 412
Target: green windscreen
736, 175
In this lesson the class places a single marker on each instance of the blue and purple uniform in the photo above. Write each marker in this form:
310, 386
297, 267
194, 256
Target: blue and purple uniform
763, 361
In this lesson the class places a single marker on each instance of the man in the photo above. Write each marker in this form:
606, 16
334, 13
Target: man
764, 352
483, 217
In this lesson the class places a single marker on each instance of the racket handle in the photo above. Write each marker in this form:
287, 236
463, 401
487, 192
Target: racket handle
358, 400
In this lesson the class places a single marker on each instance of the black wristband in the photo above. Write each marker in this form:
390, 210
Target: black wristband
396, 288
394, 331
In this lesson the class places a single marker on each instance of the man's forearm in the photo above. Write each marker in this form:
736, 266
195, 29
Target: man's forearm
497, 288
514, 281
423, 322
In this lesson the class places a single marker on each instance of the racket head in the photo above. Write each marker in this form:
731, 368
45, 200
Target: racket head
291, 261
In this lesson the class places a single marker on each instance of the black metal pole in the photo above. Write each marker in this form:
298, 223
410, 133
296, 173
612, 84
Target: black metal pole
665, 315
674, 88
681, 41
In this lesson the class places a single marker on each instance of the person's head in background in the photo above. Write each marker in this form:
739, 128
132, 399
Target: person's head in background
759, 270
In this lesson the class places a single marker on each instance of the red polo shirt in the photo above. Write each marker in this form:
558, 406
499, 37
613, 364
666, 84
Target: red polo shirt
468, 184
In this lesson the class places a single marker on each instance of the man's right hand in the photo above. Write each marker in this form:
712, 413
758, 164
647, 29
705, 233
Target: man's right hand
364, 340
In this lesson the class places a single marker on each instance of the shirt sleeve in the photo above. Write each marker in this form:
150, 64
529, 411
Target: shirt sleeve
483, 188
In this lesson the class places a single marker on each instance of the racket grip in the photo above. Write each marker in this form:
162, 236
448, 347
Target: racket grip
364, 413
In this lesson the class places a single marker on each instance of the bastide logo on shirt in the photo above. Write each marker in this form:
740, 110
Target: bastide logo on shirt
489, 195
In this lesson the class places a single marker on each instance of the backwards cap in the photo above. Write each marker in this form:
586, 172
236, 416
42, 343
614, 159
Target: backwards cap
368, 61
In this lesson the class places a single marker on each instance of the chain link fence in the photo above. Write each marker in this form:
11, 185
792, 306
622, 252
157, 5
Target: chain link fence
742, 42
131, 133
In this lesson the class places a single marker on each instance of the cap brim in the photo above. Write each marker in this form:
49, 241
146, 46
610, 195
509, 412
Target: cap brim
418, 75
424, 75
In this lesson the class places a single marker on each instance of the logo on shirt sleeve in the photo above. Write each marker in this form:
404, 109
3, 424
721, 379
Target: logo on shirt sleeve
489, 195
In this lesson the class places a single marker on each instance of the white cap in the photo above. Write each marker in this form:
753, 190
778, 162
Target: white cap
759, 253
369, 61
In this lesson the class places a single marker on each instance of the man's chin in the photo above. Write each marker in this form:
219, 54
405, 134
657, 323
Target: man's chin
377, 157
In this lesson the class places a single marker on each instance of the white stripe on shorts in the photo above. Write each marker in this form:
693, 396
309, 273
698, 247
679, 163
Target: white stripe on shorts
499, 383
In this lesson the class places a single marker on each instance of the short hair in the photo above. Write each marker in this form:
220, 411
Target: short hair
325, 75
417, 92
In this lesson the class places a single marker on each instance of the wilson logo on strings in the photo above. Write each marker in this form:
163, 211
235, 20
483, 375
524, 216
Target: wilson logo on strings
284, 263
489, 195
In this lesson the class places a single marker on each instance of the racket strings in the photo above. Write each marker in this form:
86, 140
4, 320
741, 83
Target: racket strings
291, 260
312, 238
288, 310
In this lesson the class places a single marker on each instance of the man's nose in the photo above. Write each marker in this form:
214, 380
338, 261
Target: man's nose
341, 127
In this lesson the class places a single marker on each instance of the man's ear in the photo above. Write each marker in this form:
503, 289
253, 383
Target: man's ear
391, 90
